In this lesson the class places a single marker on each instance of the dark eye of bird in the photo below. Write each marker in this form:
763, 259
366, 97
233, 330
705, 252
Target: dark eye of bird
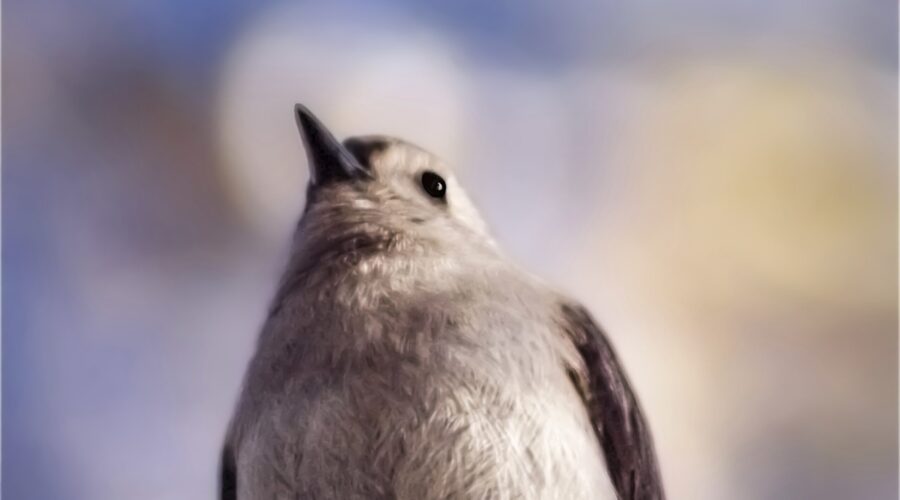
434, 185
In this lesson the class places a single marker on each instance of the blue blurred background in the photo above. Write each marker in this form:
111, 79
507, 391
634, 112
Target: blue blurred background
716, 180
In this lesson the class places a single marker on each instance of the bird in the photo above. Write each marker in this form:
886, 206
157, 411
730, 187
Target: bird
405, 357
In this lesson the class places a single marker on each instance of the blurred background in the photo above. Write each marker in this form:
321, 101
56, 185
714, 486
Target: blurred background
716, 180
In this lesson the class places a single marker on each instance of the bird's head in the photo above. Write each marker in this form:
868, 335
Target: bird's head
381, 189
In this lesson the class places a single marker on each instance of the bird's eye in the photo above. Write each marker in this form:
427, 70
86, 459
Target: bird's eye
434, 185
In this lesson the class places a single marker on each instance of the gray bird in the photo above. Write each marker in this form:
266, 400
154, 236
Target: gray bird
404, 357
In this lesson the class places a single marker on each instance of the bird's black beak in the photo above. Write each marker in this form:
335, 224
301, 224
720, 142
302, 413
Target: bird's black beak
328, 159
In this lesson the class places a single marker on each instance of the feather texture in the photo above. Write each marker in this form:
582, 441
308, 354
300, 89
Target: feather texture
405, 358
614, 410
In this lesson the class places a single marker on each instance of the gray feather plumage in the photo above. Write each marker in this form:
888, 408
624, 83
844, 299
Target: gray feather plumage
404, 357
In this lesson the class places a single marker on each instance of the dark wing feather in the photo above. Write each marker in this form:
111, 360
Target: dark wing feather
614, 410
227, 475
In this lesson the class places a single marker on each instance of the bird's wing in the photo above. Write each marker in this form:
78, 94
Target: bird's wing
227, 475
613, 408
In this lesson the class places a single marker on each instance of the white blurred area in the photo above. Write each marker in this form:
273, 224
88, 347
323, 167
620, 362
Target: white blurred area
723, 200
